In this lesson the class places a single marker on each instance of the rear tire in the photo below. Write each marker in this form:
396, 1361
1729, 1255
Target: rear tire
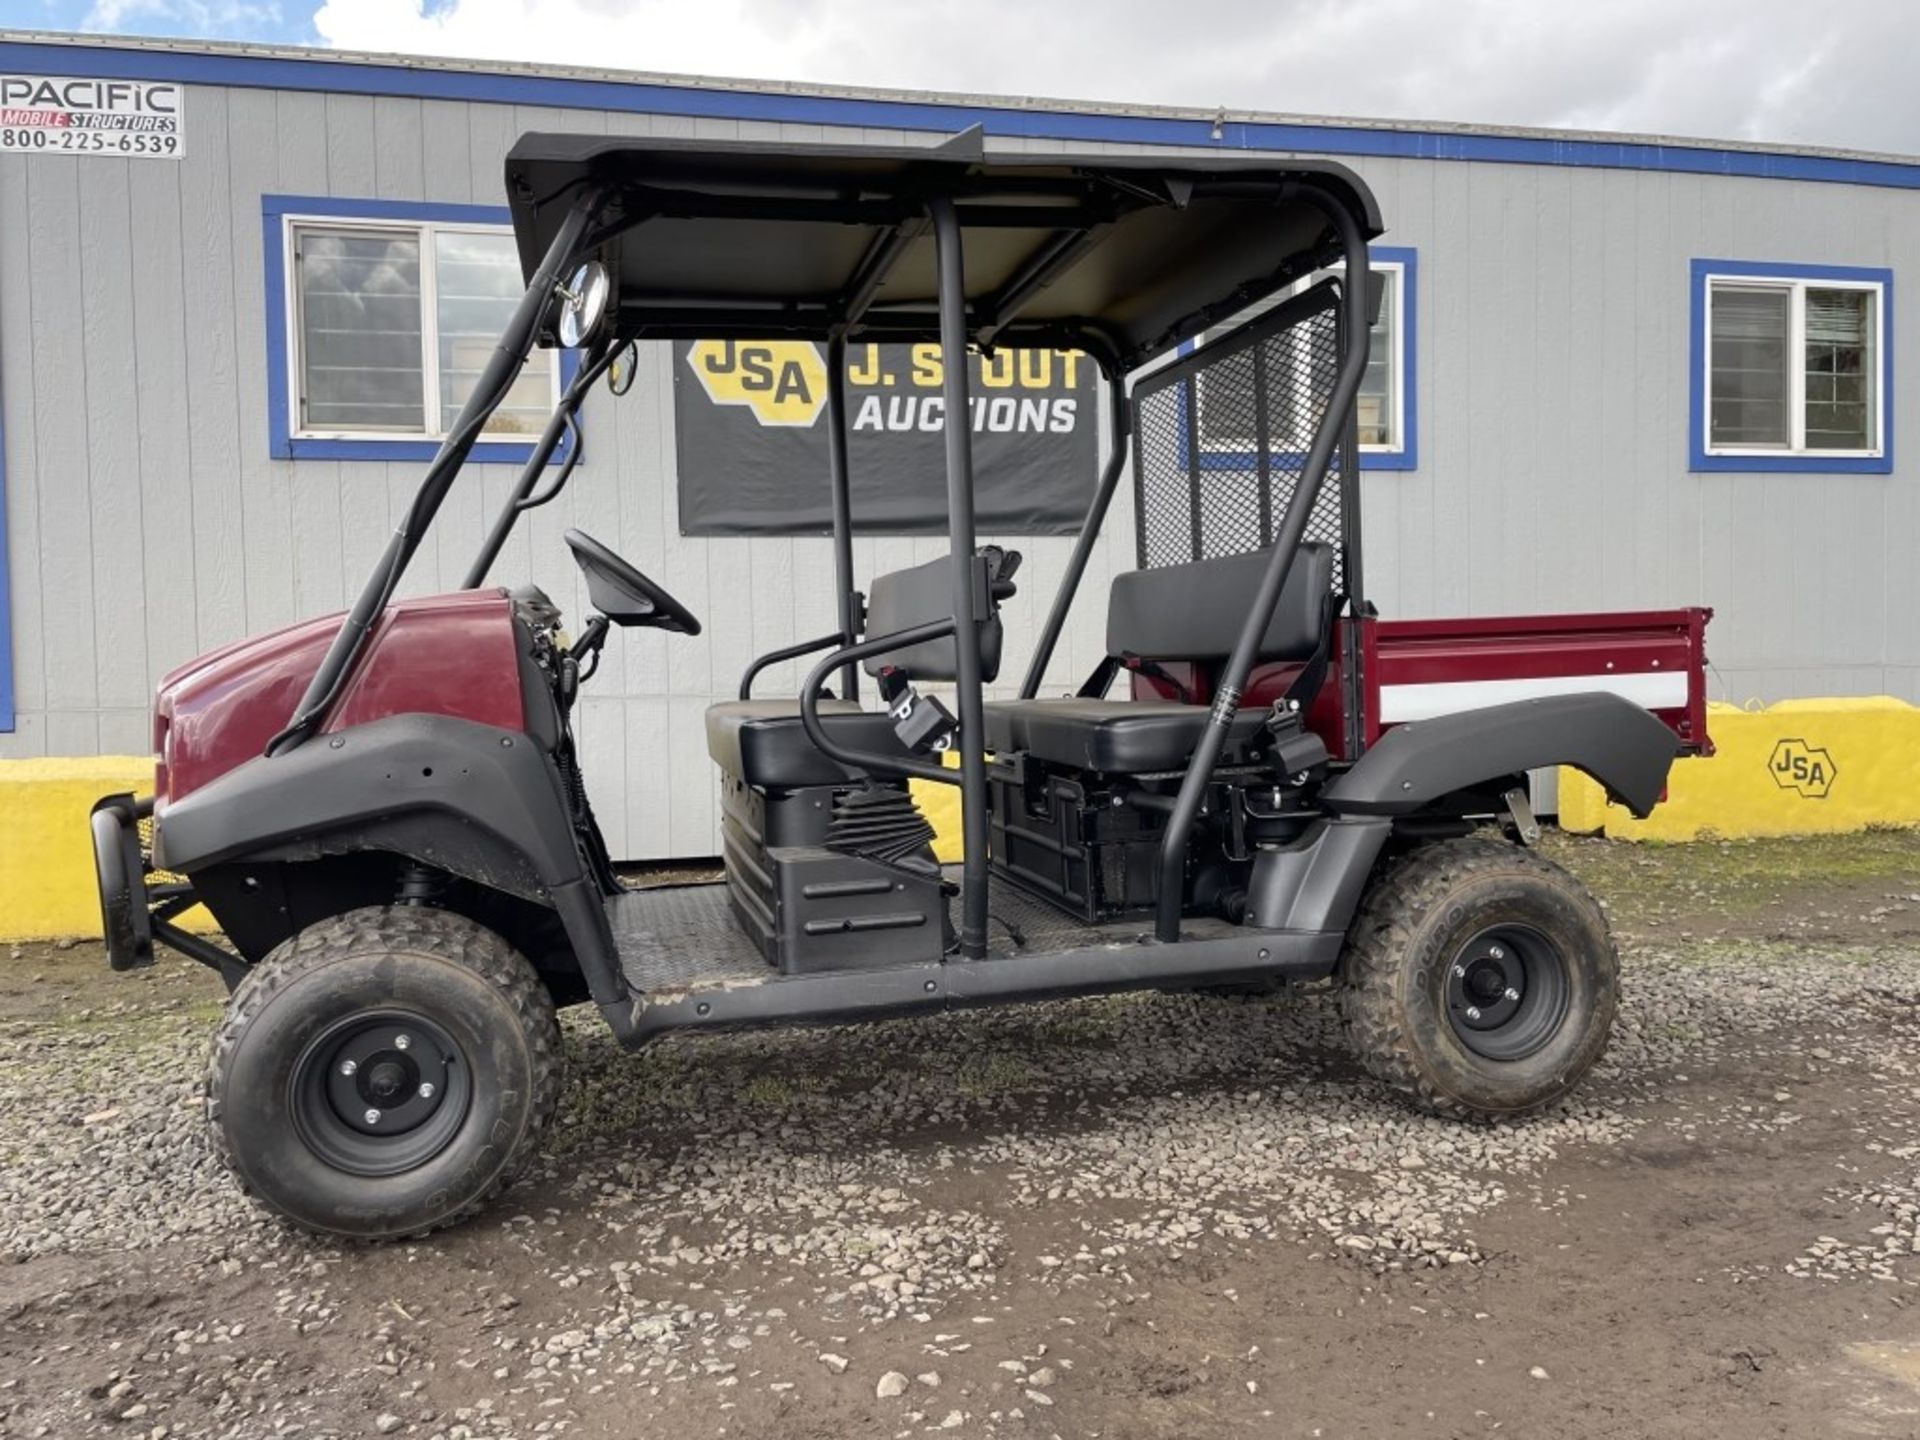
1479, 980
384, 1073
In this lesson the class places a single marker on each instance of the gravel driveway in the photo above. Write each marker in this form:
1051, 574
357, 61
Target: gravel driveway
1141, 1216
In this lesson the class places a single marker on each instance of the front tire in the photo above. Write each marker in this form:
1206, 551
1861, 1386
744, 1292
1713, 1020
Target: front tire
384, 1073
1480, 980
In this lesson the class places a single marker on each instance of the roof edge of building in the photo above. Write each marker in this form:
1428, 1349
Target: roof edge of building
1223, 127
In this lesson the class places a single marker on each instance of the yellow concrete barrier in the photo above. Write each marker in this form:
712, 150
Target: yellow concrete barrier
1798, 767
941, 805
47, 889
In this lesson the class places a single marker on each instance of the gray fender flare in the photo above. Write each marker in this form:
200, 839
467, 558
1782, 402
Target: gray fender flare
1615, 741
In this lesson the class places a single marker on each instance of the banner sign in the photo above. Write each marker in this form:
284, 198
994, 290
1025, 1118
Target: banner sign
751, 434
129, 119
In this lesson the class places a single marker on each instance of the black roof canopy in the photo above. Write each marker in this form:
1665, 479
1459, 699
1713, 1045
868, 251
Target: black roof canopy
1125, 256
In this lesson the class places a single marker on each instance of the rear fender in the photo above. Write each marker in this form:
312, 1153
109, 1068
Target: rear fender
1615, 741
470, 799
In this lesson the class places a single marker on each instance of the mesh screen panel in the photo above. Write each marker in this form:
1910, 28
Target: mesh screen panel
1221, 438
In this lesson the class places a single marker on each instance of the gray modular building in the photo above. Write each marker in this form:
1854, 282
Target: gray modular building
241, 289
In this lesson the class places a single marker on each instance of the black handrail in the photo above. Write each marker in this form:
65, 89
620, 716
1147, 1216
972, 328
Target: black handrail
1172, 857
563, 421
787, 652
866, 760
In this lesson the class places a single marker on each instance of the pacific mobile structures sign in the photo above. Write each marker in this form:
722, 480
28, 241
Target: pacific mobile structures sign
54, 115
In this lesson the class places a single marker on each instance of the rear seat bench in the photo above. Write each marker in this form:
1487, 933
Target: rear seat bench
1189, 612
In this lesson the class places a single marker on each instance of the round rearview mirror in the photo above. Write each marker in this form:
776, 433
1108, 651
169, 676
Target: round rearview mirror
623, 368
583, 303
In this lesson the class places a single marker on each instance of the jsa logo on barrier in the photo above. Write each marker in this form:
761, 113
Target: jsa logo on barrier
1806, 769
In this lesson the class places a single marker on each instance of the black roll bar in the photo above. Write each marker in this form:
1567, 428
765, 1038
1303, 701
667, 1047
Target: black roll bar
1329, 433
840, 480
1122, 431
958, 431
488, 391
563, 422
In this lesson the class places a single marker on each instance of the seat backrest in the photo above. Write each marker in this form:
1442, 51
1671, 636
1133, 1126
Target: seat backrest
902, 599
1195, 611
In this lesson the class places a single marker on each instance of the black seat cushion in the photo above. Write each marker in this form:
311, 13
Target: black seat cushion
765, 743
1132, 737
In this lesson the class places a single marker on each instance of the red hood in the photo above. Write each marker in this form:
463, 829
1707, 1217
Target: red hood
442, 655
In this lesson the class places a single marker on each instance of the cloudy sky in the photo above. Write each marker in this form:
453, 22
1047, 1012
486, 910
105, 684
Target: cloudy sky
1779, 71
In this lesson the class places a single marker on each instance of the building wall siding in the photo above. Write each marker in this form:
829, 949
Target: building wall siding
148, 522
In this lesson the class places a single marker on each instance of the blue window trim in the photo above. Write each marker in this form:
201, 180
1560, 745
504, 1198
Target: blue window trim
7, 717
282, 443
1407, 320
1698, 460
433, 82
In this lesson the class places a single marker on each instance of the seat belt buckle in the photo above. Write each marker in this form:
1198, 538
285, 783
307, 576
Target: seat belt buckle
923, 724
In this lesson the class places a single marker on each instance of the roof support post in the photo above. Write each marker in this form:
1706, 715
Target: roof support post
1331, 432
1120, 422
840, 478
966, 612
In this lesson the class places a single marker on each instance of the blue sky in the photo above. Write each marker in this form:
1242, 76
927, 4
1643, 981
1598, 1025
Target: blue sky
267, 21
1773, 71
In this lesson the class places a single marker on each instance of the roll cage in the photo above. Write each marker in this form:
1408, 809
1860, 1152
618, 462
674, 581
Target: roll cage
1128, 259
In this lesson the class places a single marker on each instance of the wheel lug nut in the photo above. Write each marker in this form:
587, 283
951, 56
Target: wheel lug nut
347, 1067
1459, 972
373, 1117
426, 1090
1473, 1012
401, 1042
1497, 953
1512, 994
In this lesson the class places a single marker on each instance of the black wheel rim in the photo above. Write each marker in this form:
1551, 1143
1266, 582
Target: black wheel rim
380, 1092
1507, 992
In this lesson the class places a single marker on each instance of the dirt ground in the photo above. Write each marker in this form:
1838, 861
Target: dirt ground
1144, 1217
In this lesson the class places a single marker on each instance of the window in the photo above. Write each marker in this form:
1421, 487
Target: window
381, 316
1386, 401
1791, 367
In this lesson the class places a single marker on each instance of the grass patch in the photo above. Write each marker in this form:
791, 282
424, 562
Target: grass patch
1648, 881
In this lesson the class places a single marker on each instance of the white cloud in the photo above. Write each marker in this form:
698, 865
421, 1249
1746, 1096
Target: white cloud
180, 16
1772, 70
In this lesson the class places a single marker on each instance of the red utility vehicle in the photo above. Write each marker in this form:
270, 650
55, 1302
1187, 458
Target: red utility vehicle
386, 812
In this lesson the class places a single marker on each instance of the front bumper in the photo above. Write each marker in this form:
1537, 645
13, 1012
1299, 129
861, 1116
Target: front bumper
135, 909
121, 870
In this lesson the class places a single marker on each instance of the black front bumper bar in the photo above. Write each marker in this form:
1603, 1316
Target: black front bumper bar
136, 910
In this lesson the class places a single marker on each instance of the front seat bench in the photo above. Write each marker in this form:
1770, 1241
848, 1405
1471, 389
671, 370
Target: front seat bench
764, 742
1189, 612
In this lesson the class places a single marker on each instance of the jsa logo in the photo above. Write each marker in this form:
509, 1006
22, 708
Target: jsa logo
1806, 769
784, 382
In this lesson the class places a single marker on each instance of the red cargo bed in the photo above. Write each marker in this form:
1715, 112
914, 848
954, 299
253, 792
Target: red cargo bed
1418, 669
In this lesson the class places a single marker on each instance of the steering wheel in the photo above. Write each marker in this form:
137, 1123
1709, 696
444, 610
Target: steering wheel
622, 593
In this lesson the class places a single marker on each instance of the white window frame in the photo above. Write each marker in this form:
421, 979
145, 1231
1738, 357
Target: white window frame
1396, 270
424, 231
1796, 446
1396, 362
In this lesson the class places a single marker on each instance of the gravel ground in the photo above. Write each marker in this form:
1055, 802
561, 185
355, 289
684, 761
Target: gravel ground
1047, 1220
